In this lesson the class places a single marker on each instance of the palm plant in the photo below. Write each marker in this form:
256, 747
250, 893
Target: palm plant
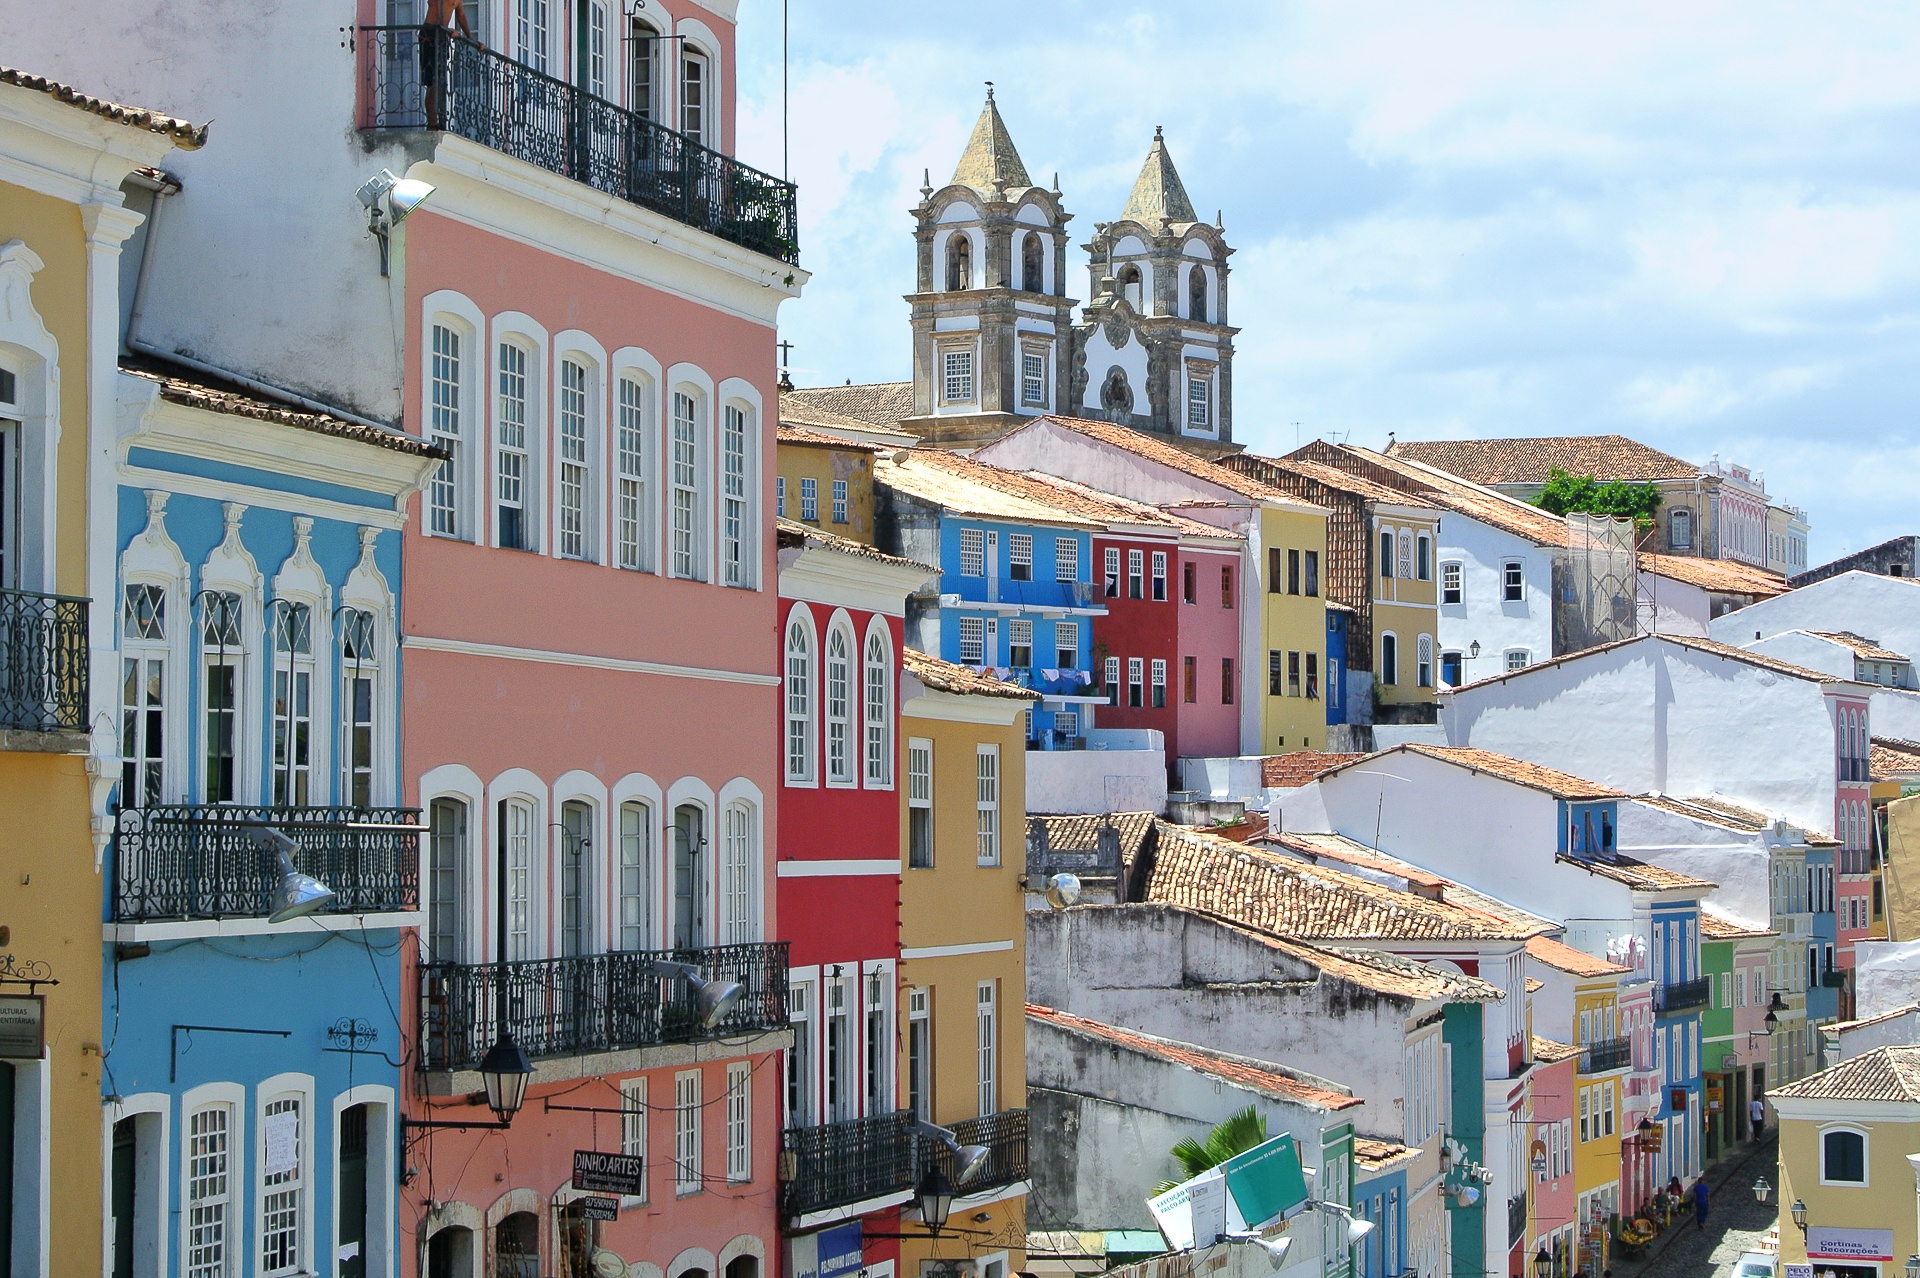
1235, 1134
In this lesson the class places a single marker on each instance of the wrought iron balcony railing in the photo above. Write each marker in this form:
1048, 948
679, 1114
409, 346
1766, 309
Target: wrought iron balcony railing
1516, 1219
200, 860
593, 1002
836, 1164
43, 662
1854, 769
460, 86
1605, 1054
1005, 1136
1852, 861
1682, 996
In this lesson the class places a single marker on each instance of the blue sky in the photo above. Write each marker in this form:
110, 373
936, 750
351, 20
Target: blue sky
1696, 224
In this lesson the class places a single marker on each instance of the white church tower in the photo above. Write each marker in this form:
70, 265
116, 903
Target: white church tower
991, 319
1153, 349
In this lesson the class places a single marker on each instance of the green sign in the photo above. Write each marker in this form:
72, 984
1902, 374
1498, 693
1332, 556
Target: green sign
1266, 1182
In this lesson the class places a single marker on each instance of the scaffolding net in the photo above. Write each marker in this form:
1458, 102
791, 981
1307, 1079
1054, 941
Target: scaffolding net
1605, 576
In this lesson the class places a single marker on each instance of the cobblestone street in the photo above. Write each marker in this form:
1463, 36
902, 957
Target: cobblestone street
1736, 1222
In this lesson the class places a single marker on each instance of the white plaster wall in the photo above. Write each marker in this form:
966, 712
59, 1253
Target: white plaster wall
1082, 781
1655, 716
1483, 614
1895, 712
1101, 357
1552, 1003
1886, 976
1738, 862
262, 261
1388, 735
1809, 650
1183, 977
1884, 609
1071, 455
1678, 608
1233, 777
1895, 1031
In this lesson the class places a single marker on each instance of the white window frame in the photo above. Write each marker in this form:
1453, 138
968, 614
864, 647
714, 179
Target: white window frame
987, 1048
1513, 581
1110, 562
878, 1086
296, 1089
800, 693
973, 552
633, 1133
230, 1098
576, 417
920, 796
739, 1122
809, 500
973, 639
688, 486
1866, 1154
956, 374
687, 1178
523, 855
986, 771
636, 446
1158, 592
517, 452
839, 686
1033, 376
1019, 636
448, 400
920, 1071
1517, 659
1157, 678
149, 672
876, 701
839, 501
1066, 643
739, 877
635, 876
1451, 584
1066, 559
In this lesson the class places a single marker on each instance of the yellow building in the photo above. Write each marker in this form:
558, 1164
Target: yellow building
63, 219
1849, 1145
825, 482
1895, 769
1899, 878
1406, 616
1293, 625
963, 947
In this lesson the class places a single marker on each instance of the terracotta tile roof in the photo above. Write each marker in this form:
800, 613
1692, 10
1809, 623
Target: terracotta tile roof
1294, 769
185, 134
1883, 1074
1694, 642
1545, 1049
1169, 455
1715, 928
1534, 985
1866, 649
1561, 785
1369, 1152
971, 488
1716, 811
1082, 833
786, 434
1888, 756
1244, 1071
944, 676
1276, 471
1419, 881
1532, 460
1121, 510
198, 390
1455, 987
791, 532
1450, 492
1723, 575
1563, 957
877, 403
1865, 1021
1639, 875
1289, 897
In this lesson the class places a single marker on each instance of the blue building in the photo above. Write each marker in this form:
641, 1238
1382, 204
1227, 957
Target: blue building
1823, 994
252, 1066
1016, 593
1680, 994
1380, 1196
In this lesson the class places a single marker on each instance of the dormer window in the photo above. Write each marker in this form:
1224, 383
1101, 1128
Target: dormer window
1032, 277
1197, 294
959, 263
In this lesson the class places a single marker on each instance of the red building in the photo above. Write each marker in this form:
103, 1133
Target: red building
848, 1150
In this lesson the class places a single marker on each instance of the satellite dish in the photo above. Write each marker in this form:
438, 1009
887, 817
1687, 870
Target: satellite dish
607, 1264
1063, 890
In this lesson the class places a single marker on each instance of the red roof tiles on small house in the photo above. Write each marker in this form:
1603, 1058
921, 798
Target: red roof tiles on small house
1297, 767
1562, 785
790, 434
944, 676
1715, 928
196, 390
1883, 1074
1545, 1049
1242, 1071
1889, 757
184, 133
1723, 576
1639, 875
1863, 648
1565, 958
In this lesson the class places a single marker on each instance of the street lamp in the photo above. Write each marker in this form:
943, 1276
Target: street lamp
935, 1196
1357, 1228
1799, 1213
1774, 1008
1542, 1262
1762, 1191
1913, 1267
387, 200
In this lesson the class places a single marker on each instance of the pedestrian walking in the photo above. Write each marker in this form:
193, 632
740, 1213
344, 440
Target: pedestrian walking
1700, 1203
1757, 1116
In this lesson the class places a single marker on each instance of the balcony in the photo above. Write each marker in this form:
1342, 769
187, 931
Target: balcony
490, 99
200, 861
1516, 1219
1004, 1134
1686, 996
1606, 1054
593, 1002
43, 662
1852, 861
1022, 596
839, 1164
1854, 769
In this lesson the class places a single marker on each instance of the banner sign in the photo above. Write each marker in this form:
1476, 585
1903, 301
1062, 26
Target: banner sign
1248, 1191
1849, 1244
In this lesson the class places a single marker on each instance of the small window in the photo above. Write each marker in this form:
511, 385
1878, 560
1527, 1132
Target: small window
959, 262
1189, 584
1450, 583
1423, 661
1313, 676
1200, 402
957, 377
973, 640
1843, 1158
1424, 564
1033, 377
1136, 682
987, 805
1386, 555
1514, 582
810, 500
1518, 658
839, 501
973, 552
1111, 560
1136, 573
1450, 669
1112, 673
1293, 572
1020, 643
1389, 660
1276, 673
780, 496
1189, 680
1160, 576
1680, 531
1197, 294
1066, 559
1276, 574
1066, 645
919, 804
1226, 587
1226, 681
693, 97
1293, 674
1020, 556
1311, 585
1159, 676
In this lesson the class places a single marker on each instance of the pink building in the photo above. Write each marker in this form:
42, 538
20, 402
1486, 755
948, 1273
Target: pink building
1550, 1154
1208, 720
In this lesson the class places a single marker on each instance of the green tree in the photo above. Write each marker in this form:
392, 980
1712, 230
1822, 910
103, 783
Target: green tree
1565, 494
1235, 1135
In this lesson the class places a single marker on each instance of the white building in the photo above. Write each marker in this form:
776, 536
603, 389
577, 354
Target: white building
1886, 609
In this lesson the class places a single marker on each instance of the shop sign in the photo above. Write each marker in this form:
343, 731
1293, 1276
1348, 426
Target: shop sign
596, 1208
23, 1026
1826, 1243
598, 1173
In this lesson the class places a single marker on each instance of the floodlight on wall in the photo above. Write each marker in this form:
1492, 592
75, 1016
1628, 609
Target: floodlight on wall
297, 894
388, 200
712, 996
1276, 1248
1063, 891
1358, 1229
968, 1160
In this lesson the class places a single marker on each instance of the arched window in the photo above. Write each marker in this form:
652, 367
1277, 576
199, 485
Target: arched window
739, 875
359, 699
517, 828
446, 877
1197, 294
799, 691
689, 877
143, 720
222, 685
1423, 661
1680, 528
839, 699
577, 400
516, 429
450, 1253
446, 426
633, 489
879, 709
635, 871
1130, 286
1389, 659
643, 46
1406, 553
736, 527
576, 877
516, 1246
1032, 274
959, 262
688, 556
1843, 1158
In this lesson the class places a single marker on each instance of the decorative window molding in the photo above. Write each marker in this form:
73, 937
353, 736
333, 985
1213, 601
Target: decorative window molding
840, 686
878, 682
799, 694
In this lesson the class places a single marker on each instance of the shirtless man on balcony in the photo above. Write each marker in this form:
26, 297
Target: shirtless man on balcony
443, 16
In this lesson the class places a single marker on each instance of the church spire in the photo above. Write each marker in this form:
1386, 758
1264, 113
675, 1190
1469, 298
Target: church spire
1158, 197
990, 163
